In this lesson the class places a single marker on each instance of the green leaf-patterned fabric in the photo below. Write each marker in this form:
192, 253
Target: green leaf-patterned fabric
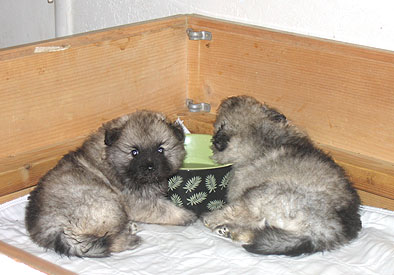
210, 182
200, 190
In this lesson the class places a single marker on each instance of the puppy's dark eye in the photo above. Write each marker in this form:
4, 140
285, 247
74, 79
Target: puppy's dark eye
160, 150
135, 152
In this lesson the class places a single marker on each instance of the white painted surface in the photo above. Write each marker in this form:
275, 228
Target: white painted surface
363, 22
63, 18
25, 21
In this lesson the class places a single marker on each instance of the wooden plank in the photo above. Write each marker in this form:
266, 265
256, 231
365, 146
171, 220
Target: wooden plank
24, 170
33, 261
26, 176
98, 37
368, 174
201, 22
342, 95
196, 123
193, 70
52, 98
375, 200
15, 195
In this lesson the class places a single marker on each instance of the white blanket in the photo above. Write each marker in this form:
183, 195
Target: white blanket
196, 250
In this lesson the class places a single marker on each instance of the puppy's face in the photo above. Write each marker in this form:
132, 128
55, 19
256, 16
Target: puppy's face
237, 134
145, 150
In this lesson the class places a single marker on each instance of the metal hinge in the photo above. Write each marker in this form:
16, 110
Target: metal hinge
198, 107
201, 35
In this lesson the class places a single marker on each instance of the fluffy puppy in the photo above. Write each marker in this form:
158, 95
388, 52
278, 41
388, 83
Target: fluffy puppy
286, 196
87, 204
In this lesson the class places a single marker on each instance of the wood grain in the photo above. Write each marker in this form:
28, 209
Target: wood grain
342, 95
376, 201
50, 98
15, 195
99, 36
51, 101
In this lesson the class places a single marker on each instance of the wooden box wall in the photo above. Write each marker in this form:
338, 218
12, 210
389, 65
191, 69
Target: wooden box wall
342, 95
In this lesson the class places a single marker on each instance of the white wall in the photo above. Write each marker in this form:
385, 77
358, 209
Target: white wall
25, 21
364, 22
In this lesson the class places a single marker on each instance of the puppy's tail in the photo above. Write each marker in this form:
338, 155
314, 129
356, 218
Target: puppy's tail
82, 245
276, 241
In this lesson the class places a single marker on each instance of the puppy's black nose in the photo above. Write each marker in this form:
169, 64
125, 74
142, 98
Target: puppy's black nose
220, 147
220, 140
150, 167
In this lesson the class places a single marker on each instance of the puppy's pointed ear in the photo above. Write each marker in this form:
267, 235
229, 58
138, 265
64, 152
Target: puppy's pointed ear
178, 131
273, 114
112, 135
278, 117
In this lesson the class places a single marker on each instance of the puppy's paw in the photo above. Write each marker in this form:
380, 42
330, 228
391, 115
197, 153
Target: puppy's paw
204, 221
189, 217
134, 241
132, 227
209, 221
223, 231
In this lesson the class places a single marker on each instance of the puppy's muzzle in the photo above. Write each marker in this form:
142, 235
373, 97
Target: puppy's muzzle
220, 140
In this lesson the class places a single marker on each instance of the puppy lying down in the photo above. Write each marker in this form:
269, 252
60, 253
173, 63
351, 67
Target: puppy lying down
87, 204
285, 196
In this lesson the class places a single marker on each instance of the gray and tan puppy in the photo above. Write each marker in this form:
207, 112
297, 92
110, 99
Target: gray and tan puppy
286, 196
87, 204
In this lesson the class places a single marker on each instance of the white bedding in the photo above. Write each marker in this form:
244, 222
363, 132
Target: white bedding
196, 250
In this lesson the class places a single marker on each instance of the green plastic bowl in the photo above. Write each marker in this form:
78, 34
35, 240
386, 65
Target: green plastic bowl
198, 153
201, 184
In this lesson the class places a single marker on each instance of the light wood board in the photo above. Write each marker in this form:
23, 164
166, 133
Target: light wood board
342, 95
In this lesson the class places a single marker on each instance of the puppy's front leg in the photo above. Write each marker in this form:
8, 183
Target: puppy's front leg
165, 212
236, 233
229, 214
218, 217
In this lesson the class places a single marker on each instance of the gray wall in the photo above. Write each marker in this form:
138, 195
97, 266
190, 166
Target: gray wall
25, 21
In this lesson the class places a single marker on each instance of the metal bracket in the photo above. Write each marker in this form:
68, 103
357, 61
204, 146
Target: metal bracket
198, 107
201, 35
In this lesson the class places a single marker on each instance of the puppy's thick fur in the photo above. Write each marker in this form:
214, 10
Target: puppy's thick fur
87, 204
286, 196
